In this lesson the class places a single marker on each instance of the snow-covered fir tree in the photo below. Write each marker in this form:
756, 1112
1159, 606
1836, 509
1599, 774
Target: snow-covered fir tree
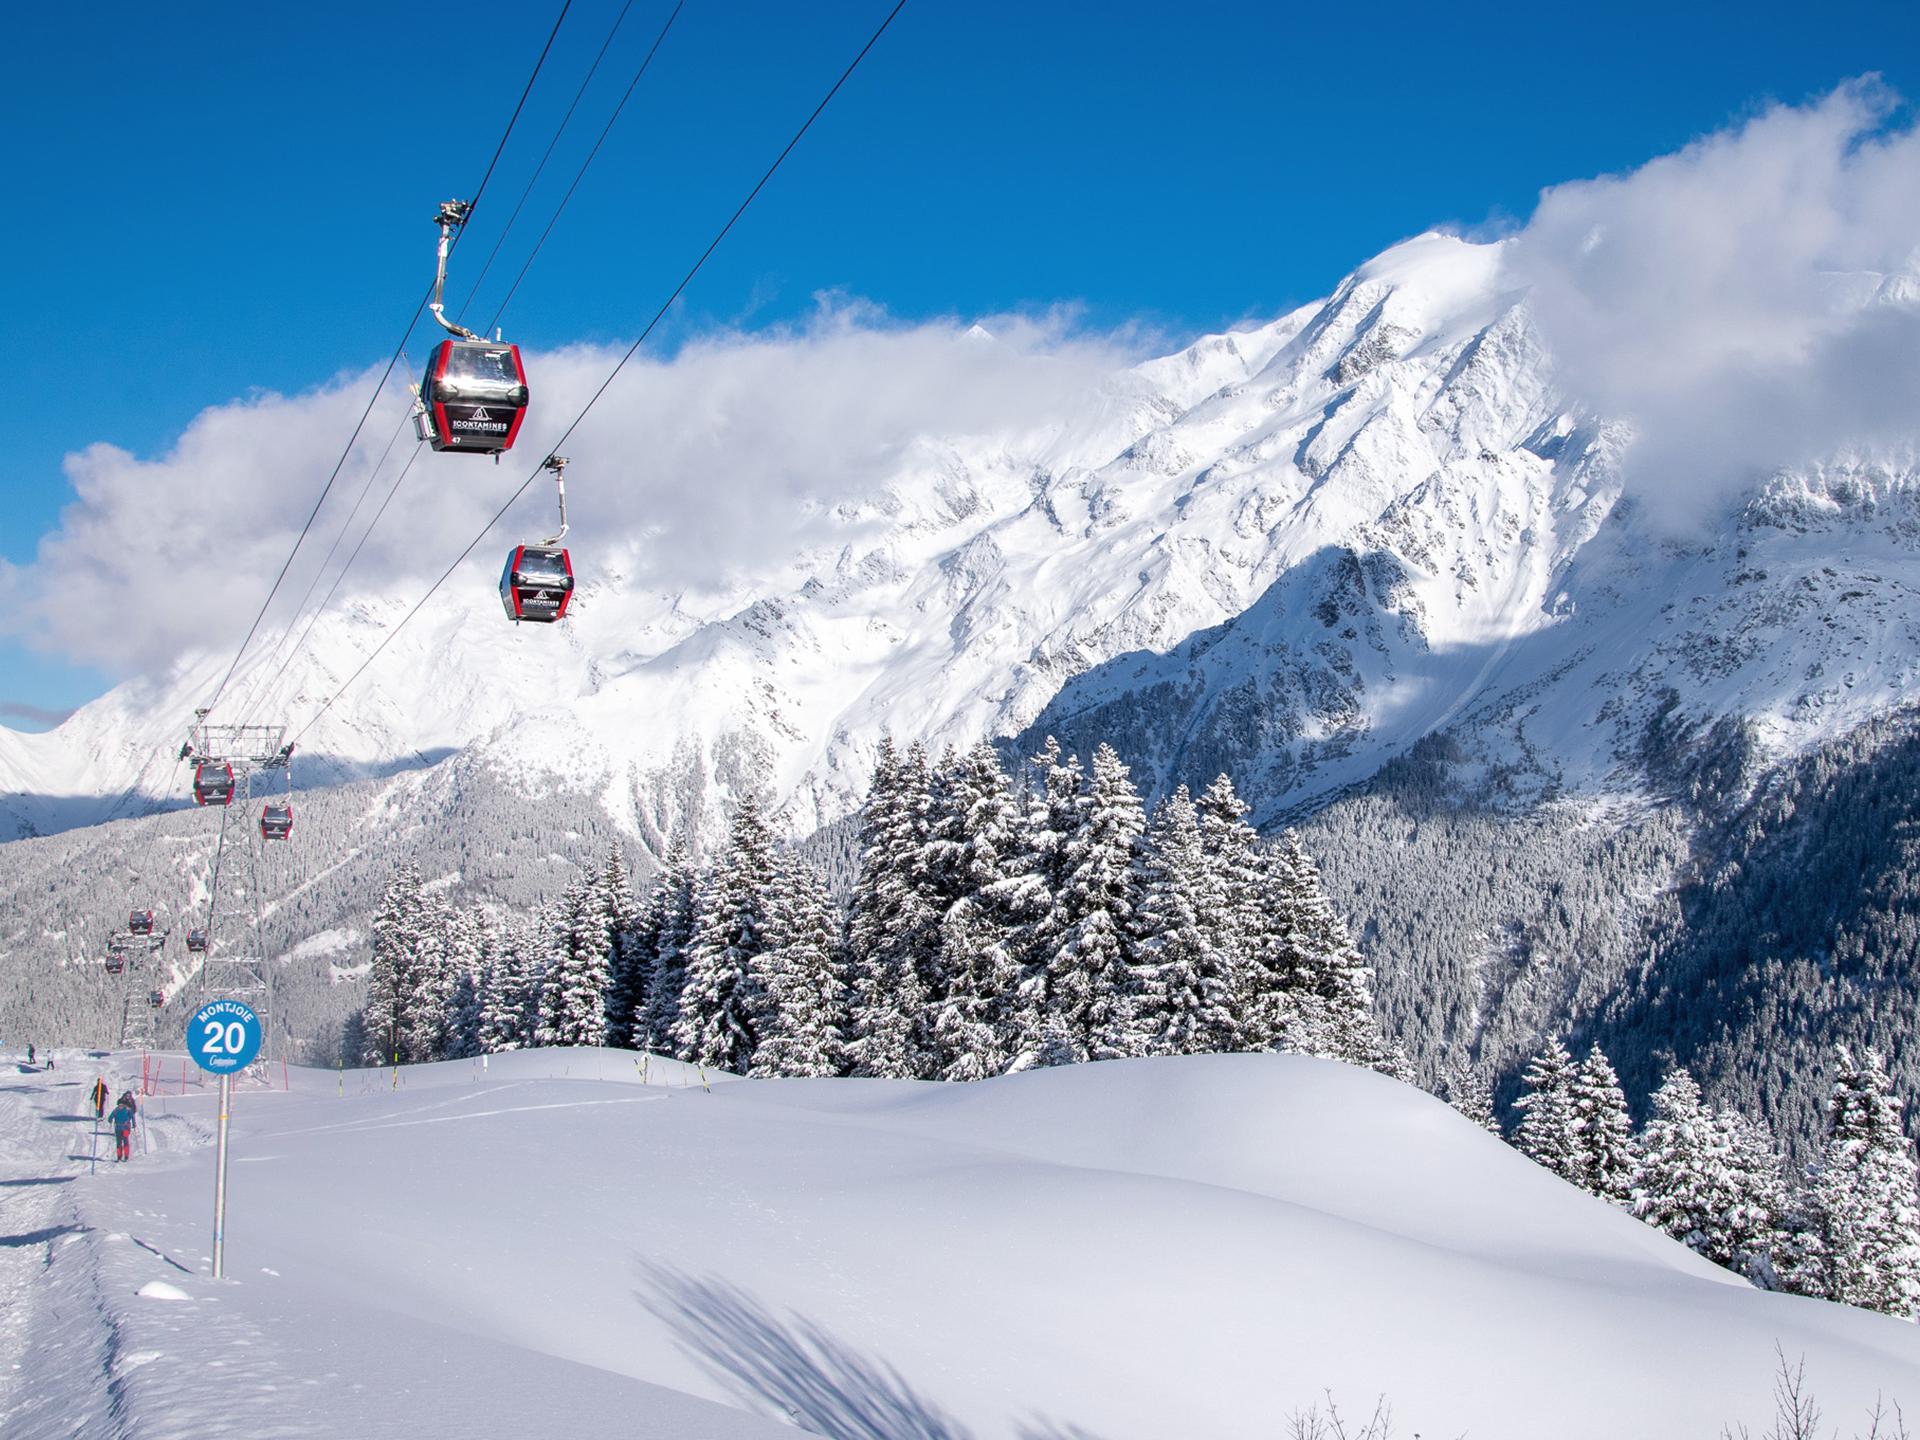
1182, 1001
1755, 1222
890, 923
1238, 922
402, 1000
573, 996
1695, 1178
1469, 1089
723, 1004
1858, 1241
1549, 1129
627, 965
1055, 797
1605, 1129
468, 941
1089, 986
1326, 981
805, 1017
667, 963
973, 852
510, 990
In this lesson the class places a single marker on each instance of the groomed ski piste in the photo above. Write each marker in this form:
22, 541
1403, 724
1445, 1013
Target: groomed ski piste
557, 1244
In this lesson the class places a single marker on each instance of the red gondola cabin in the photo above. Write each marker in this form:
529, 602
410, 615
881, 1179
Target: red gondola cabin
473, 397
156, 998
213, 783
276, 822
140, 922
197, 942
537, 583
116, 964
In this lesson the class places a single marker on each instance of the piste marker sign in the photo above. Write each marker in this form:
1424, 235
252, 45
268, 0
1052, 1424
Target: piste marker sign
223, 1036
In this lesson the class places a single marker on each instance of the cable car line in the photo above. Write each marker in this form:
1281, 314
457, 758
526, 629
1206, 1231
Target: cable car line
385, 374
540, 169
259, 692
632, 350
581, 173
327, 599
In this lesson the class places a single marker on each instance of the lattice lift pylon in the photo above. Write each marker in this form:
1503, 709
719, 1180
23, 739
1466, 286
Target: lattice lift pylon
139, 1020
243, 971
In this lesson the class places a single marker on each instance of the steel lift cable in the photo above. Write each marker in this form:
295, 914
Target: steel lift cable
372, 399
540, 169
354, 555
501, 309
581, 173
260, 692
632, 350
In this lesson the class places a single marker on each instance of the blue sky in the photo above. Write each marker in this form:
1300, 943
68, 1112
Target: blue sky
222, 198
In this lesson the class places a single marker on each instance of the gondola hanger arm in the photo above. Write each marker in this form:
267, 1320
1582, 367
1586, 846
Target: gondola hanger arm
453, 214
558, 465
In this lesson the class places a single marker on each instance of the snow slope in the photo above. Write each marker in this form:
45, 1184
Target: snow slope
1192, 1246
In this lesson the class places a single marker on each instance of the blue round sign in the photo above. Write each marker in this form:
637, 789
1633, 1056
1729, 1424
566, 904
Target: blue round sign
223, 1036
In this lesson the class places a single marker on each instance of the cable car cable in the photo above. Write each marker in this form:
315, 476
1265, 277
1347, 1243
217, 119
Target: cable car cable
540, 169
632, 349
321, 569
581, 174
365, 535
372, 399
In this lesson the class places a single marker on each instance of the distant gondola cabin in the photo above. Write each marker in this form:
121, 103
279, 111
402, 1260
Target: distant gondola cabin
537, 583
213, 783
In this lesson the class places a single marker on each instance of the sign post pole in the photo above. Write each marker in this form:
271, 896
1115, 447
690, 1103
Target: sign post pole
222, 1037
220, 1181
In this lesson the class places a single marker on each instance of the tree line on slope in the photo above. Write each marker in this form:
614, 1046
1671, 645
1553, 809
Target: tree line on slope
1715, 1180
993, 926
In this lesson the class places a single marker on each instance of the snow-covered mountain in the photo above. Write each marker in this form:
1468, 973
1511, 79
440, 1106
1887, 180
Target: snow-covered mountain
1288, 551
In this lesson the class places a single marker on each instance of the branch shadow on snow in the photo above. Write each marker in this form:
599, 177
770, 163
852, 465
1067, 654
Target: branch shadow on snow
803, 1372
39, 1237
155, 1250
36, 1180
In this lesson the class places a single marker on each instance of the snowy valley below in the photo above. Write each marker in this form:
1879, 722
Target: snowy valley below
1190, 1246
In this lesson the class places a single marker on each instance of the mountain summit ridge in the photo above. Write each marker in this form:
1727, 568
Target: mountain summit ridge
1289, 551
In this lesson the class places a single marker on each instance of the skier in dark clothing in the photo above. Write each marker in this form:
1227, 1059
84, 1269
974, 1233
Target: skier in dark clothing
99, 1098
122, 1118
29, 1054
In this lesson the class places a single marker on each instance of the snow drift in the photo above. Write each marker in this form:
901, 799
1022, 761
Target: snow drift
1193, 1246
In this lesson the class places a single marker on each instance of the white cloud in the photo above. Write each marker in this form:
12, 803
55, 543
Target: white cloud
1727, 300
705, 463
